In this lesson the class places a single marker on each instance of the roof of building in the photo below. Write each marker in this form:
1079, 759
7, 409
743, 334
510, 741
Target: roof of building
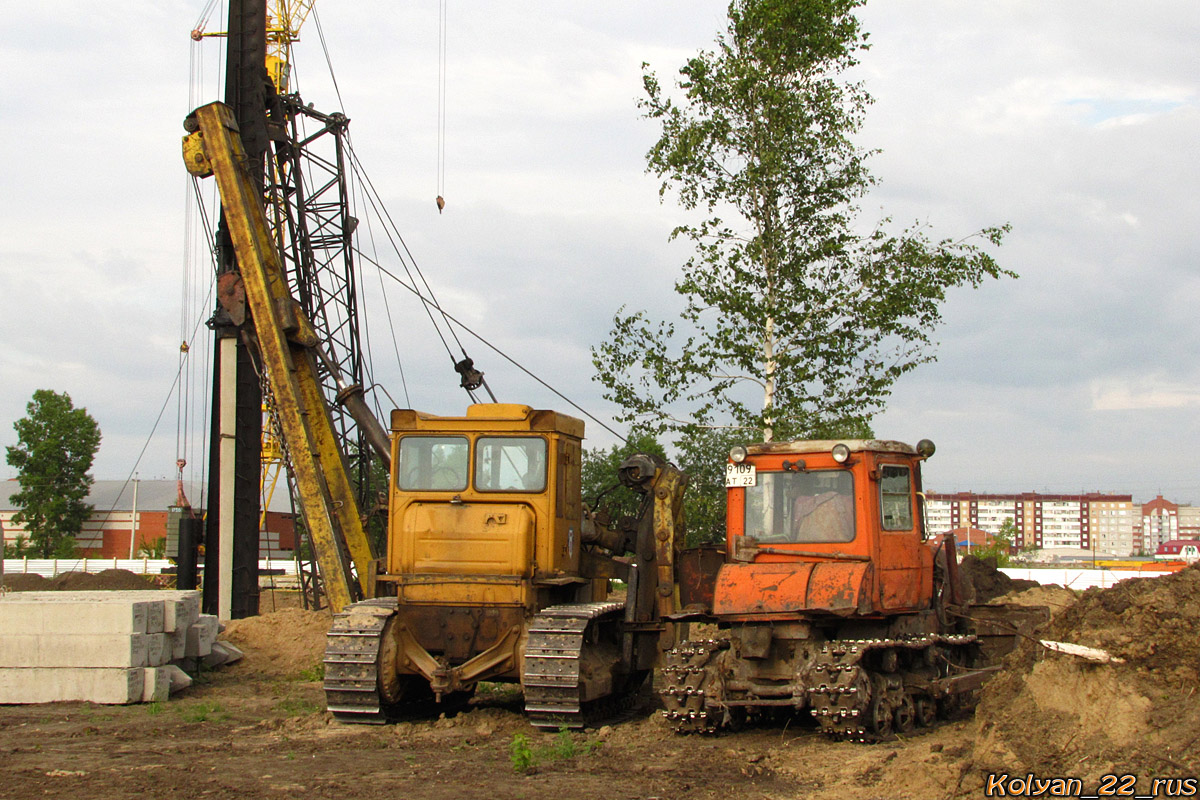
1175, 545
152, 495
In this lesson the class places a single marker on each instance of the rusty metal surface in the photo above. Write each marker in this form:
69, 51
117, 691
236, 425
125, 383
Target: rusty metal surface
792, 588
459, 633
824, 446
697, 574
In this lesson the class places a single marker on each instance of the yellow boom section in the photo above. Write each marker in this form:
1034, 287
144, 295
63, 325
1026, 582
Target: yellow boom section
286, 342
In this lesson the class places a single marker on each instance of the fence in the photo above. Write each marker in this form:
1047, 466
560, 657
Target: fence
1079, 578
50, 567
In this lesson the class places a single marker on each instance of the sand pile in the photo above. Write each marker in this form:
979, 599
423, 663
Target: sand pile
289, 643
1053, 597
1059, 715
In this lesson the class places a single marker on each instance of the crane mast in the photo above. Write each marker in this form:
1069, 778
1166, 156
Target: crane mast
295, 157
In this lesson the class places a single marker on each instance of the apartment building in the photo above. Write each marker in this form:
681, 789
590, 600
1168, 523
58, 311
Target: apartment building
1102, 523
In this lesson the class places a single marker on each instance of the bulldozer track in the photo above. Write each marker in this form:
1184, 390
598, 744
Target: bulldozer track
690, 683
849, 699
552, 672
854, 702
352, 686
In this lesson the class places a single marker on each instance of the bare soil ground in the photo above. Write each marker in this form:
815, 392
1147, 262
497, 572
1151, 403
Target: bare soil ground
258, 729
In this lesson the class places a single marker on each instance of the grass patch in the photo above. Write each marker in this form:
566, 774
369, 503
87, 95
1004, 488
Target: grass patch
499, 692
154, 707
298, 707
525, 757
203, 711
314, 673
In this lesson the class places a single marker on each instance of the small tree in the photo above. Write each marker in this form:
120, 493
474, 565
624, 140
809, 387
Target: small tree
1000, 546
56, 444
19, 547
794, 315
599, 475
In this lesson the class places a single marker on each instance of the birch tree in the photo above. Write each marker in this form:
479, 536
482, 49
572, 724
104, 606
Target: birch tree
797, 316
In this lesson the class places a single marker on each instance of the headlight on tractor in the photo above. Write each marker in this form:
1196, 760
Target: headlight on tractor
738, 454
841, 453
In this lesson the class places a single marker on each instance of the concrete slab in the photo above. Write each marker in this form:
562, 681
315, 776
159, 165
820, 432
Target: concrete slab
156, 685
222, 653
178, 641
201, 636
180, 680
181, 608
54, 685
158, 649
77, 650
33, 616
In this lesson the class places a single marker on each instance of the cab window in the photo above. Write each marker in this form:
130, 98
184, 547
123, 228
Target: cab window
801, 507
895, 498
510, 464
433, 463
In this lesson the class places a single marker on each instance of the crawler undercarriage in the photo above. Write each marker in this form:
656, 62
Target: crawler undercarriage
858, 684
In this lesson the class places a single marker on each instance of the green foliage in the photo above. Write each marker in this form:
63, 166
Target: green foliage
524, 757
520, 753
702, 456
202, 711
298, 707
155, 549
20, 547
599, 474
793, 316
56, 444
314, 673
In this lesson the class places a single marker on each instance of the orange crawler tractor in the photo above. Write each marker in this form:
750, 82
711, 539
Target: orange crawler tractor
834, 600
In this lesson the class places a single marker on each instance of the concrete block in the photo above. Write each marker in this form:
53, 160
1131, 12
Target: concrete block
53, 685
158, 649
156, 684
154, 615
76, 650
201, 636
180, 608
179, 679
19, 615
182, 611
222, 653
178, 641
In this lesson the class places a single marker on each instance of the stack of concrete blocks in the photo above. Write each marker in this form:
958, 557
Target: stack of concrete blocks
100, 646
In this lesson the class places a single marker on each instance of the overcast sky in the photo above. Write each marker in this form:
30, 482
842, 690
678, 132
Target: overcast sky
1075, 121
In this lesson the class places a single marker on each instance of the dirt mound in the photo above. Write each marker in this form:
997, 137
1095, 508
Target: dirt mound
20, 582
983, 581
110, 579
283, 644
1054, 714
113, 579
1053, 597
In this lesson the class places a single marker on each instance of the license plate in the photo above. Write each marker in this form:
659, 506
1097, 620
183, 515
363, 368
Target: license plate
740, 475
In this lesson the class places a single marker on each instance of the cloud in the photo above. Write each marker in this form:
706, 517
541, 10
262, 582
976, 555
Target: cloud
1153, 392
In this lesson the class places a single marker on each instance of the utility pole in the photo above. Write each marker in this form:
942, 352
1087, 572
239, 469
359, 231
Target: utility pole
133, 526
231, 533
